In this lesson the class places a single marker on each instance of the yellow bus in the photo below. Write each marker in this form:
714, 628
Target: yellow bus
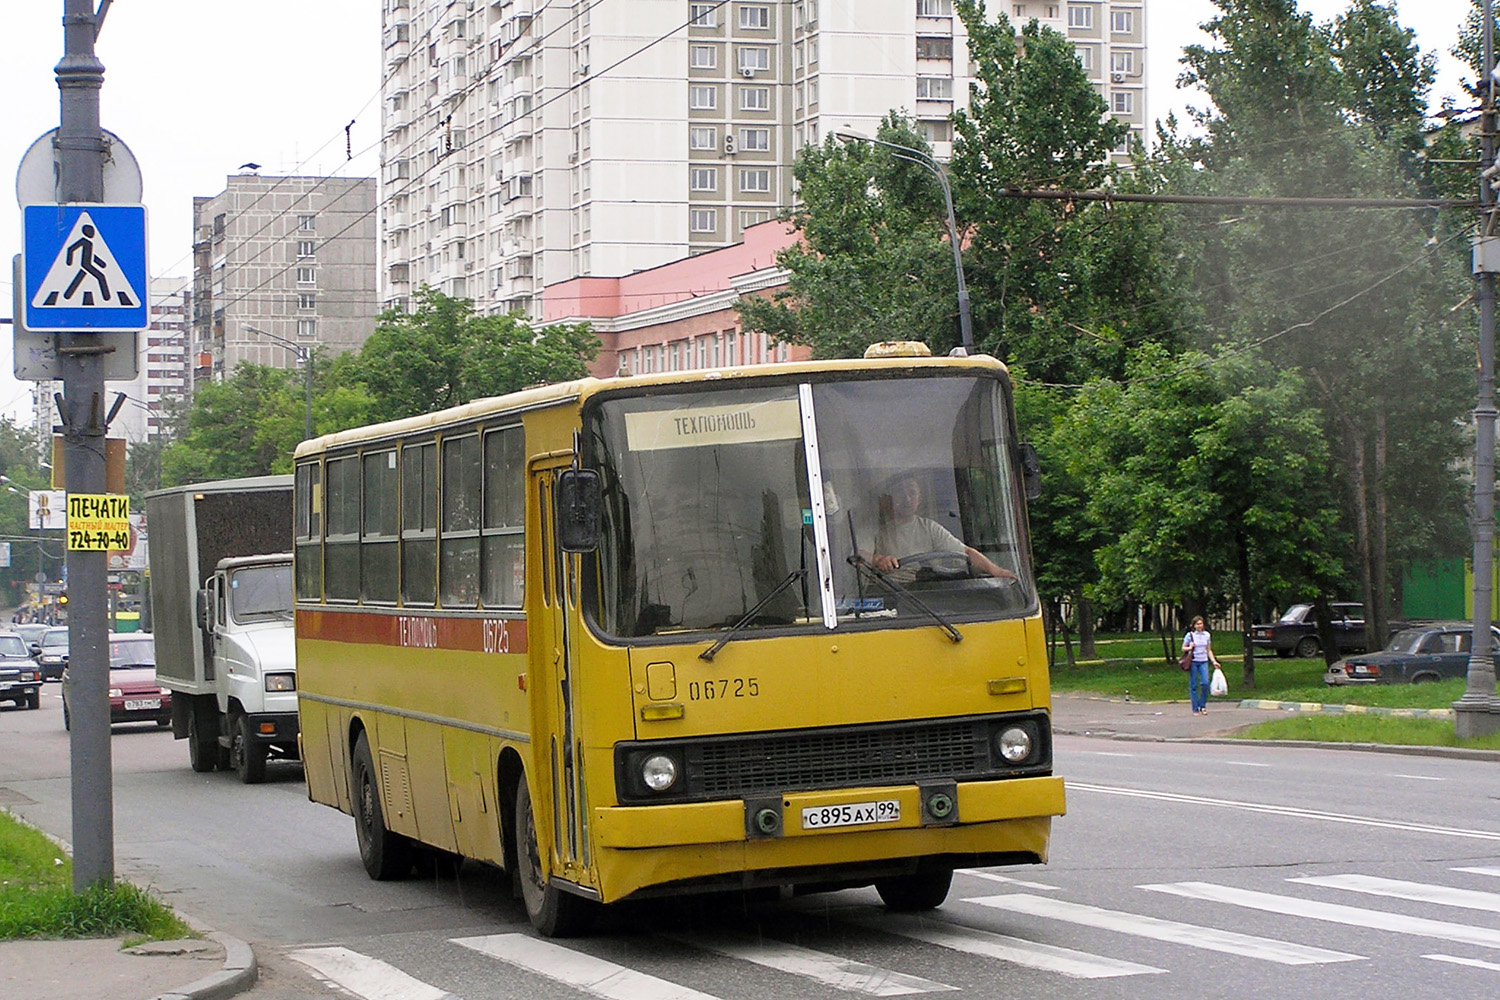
771, 626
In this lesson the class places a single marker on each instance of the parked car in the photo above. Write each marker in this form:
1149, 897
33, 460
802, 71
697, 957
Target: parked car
1431, 652
1296, 632
134, 694
52, 652
20, 677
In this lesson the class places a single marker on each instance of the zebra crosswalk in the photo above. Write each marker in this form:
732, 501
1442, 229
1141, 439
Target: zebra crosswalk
1014, 927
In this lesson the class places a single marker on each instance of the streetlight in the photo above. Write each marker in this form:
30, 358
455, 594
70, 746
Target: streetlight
926, 162
304, 355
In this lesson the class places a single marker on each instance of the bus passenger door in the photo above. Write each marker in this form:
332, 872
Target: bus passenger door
554, 731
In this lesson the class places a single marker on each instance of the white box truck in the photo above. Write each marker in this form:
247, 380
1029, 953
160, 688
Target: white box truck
222, 615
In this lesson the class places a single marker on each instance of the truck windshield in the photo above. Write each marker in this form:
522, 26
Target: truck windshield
261, 593
709, 513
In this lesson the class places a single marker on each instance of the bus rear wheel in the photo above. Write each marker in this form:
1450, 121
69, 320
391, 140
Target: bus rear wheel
553, 912
923, 889
386, 855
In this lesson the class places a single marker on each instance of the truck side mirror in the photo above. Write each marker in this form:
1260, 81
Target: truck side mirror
578, 498
200, 609
1031, 470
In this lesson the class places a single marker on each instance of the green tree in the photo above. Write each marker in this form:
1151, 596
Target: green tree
1190, 500
444, 354
1357, 304
227, 434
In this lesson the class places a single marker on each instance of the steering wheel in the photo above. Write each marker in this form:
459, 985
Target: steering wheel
942, 564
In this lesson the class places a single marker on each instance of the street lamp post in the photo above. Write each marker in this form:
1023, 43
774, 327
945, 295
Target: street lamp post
926, 162
304, 355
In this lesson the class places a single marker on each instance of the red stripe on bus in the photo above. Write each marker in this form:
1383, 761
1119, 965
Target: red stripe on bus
473, 635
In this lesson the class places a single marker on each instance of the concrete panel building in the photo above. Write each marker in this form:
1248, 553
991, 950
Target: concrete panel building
293, 257
526, 143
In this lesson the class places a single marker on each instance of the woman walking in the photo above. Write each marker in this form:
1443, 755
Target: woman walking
1199, 643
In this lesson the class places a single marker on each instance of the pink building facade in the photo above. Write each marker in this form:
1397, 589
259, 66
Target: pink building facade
680, 316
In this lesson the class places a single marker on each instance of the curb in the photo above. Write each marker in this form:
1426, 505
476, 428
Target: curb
238, 974
1339, 709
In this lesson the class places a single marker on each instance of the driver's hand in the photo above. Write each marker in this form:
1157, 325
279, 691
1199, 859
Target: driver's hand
885, 563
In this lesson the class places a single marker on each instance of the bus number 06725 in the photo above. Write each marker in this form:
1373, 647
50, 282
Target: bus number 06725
728, 687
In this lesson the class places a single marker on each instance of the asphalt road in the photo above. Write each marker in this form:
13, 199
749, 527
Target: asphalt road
1181, 870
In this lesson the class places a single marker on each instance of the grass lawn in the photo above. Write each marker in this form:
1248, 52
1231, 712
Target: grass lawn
37, 898
1134, 665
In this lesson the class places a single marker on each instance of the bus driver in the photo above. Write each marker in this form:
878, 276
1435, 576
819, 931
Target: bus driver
904, 533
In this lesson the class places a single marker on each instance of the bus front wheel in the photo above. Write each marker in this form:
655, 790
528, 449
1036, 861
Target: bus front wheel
923, 889
553, 912
386, 855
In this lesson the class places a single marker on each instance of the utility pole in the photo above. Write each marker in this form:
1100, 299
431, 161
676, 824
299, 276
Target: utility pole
1477, 713
80, 160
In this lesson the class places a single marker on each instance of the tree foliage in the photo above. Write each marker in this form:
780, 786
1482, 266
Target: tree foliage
442, 355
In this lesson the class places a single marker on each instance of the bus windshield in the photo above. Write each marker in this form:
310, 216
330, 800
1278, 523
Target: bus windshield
709, 521
261, 593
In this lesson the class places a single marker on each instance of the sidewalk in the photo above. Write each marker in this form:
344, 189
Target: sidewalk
1116, 718
209, 968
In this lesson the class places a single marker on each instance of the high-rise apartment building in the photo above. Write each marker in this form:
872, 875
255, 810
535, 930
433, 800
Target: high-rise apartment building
161, 378
282, 265
529, 142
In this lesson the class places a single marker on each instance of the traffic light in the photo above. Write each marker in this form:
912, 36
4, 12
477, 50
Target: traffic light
62, 598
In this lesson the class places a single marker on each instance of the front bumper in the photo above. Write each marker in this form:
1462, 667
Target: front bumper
14, 688
699, 843
278, 729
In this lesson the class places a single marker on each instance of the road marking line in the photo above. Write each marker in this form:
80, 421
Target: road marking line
978, 873
1244, 763
1420, 892
831, 970
364, 976
1338, 913
1211, 938
574, 968
1418, 777
1017, 951
1455, 960
1293, 811
1480, 870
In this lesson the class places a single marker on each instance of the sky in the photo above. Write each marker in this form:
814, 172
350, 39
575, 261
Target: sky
195, 88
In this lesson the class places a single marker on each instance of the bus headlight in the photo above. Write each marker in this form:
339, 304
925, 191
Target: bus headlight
1014, 743
659, 772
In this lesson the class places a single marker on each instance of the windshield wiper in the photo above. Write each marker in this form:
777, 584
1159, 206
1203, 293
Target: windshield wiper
857, 561
749, 616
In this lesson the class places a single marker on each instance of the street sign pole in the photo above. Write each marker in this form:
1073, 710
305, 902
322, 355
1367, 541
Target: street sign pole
80, 159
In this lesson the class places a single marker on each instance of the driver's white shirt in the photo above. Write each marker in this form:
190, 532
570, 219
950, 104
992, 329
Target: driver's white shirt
916, 536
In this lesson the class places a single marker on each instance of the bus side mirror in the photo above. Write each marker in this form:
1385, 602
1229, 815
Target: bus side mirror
1031, 470
578, 499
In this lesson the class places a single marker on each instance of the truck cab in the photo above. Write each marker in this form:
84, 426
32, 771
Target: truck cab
246, 621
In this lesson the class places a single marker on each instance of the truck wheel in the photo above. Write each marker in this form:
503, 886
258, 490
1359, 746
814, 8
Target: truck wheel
203, 754
248, 756
387, 855
924, 889
553, 912
1307, 647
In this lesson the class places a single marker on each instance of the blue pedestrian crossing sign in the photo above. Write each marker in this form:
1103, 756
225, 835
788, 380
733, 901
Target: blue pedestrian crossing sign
84, 268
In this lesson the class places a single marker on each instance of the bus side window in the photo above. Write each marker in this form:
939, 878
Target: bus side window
341, 550
503, 535
419, 523
458, 550
309, 532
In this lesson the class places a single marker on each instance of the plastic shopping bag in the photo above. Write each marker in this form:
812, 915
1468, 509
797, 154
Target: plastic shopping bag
1218, 685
